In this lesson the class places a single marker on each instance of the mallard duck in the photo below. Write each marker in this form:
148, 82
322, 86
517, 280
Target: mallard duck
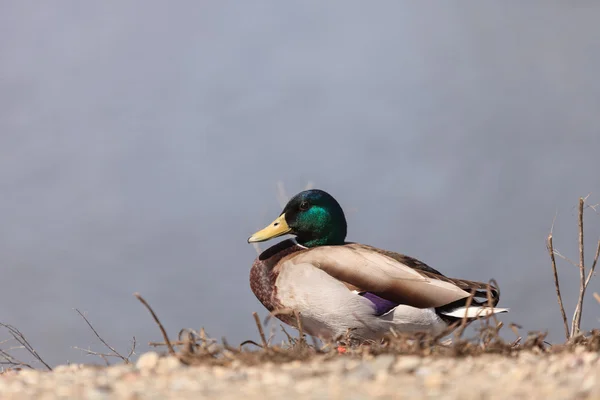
341, 288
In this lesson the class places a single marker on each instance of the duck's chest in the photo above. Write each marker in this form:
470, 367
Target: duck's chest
265, 271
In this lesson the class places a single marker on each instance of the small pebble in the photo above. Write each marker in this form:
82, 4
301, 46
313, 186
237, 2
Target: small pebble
434, 381
118, 370
362, 372
98, 392
67, 368
407, 364
383, 362
148, 361
338, 365
169, 363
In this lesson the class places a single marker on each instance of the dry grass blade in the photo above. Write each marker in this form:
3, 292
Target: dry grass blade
11, 361
229, 348
300, 327
175, 343
20, 338
573, 263
492, 283
275, 313
464, 320
103, 356
132, 351
583, 280
263, 339
188, 342
593, 269
550, 247
184, 334
160, 326
515, 328
252, 342
289, 337
575, 332
576, 323
115, 352
516, 342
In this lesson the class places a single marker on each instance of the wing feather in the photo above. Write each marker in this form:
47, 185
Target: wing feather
384, 276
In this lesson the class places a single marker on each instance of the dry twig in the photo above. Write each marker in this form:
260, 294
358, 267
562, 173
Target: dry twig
263, 339
463, 323
160, 326
550, 247
245, 342
300, 327
593, 269
103, 356
583, 279
20, 338
115, 353
11, 361
576, 323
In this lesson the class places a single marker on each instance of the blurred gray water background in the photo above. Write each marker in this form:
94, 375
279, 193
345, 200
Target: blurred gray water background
141, 143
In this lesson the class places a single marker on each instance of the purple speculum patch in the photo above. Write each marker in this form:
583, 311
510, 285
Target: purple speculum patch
381, 305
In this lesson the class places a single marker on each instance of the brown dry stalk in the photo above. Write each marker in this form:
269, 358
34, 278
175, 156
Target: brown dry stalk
275, 313
576, 323
583, 280
115, 352
19, 337
463, 323
492, 282
160, 326
189, 343
300, 327
11, 361
261, 332
175, 343
252, 342
589, 277
103, 356
132, 351
550, 247
289, 337
203, 337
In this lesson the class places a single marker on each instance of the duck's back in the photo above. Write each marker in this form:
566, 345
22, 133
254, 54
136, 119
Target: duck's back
402, 258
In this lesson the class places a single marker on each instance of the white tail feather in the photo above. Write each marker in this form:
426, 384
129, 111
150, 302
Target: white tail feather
474, 312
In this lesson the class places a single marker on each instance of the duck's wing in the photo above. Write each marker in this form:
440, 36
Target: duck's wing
392, 278
481, 289
402, 258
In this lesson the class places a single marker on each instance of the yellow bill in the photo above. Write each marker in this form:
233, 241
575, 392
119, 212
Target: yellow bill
276, 228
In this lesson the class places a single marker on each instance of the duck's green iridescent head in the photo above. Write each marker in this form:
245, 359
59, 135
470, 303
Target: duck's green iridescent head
314, 216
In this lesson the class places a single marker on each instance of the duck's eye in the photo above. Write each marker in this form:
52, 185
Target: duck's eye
304, 205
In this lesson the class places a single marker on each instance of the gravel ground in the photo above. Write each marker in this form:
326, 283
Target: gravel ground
573, 375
